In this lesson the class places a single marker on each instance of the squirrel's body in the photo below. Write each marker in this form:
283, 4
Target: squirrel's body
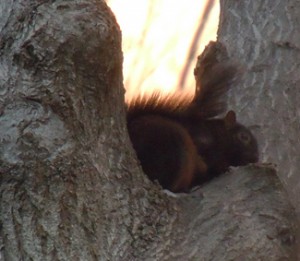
180, 142
222, 143
166, 151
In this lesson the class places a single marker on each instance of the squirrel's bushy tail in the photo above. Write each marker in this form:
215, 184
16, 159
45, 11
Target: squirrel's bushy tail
213, 76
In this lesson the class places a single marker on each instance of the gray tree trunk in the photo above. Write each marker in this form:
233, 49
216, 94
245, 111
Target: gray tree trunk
71, 188
264, 37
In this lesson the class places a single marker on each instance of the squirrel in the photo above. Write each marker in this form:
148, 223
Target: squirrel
183, 142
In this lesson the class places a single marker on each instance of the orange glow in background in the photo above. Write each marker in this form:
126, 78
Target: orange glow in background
157, 40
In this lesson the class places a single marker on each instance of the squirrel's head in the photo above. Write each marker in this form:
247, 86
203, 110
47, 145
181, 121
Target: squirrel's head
244, 148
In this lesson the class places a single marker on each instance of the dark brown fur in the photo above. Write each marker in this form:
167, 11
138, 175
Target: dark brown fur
178, 140
166, 151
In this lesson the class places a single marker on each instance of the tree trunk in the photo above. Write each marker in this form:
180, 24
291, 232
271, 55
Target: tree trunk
264, 37
71, 188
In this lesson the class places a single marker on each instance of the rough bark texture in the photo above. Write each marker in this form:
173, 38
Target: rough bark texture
242, 215
264, 37
66, 167
70, 186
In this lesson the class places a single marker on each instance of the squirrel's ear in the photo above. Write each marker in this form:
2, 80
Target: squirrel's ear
230, 120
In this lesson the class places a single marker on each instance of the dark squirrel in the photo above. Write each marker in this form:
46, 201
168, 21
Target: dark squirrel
180, 142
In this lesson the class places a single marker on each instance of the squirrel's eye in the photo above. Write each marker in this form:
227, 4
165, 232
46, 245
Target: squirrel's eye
244, 137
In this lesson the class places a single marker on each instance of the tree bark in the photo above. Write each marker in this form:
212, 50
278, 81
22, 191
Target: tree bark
71, 188
264, 37
242, 215
66, 186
